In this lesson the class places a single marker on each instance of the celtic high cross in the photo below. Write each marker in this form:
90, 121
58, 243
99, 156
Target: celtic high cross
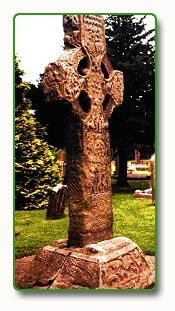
84, 78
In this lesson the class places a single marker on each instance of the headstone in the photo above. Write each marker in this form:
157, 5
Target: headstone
113, 167
84, 77
150, 192
137, 156
57, 202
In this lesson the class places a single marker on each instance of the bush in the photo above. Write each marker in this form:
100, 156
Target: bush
36, 167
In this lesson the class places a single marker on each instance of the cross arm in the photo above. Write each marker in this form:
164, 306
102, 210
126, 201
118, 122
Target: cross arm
61, 79
114, 88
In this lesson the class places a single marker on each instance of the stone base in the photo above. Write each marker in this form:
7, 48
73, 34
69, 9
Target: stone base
114, 263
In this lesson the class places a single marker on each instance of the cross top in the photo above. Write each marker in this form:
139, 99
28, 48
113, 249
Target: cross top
86, 31
83, 74
84, 77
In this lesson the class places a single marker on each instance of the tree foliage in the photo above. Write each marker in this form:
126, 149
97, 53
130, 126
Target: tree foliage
130, 48
35, 161
51, 115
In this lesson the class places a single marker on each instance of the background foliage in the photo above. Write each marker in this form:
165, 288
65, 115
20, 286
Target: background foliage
131, 49
36, 169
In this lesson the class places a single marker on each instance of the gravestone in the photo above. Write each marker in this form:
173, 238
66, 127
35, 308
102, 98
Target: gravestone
90, 257
84, 77
137, 156
57, 202
150, 192
58, 196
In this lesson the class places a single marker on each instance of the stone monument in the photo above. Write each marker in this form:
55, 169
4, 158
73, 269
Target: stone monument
84, 79
137, 156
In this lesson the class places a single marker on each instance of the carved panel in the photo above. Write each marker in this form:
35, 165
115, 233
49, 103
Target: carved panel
71, 25
93, 38
130, 270
61, 79
115, 87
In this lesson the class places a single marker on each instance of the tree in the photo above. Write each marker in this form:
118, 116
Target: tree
50, 115
131, 50
36, 170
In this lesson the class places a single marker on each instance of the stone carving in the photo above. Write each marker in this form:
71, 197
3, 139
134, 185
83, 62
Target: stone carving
84, 77
71, 31
116, 263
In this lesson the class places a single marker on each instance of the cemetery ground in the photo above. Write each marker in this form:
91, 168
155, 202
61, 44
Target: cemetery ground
132, 217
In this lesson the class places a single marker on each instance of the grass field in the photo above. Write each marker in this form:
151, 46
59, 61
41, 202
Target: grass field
134, 218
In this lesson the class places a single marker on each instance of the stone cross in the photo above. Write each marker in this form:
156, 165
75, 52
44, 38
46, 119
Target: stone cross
83, 78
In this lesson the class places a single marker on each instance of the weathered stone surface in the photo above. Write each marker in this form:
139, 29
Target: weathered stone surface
84, 78
42, 269
21, 266
57, 201
114, 263
77, 273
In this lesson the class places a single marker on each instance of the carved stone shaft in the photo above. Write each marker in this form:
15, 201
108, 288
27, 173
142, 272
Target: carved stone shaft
84, 77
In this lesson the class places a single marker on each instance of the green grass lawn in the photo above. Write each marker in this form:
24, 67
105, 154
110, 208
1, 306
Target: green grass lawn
136, 184
36, 231
133, 218
139, 184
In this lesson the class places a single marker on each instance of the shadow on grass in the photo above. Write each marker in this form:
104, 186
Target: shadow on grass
132, 185
118, 189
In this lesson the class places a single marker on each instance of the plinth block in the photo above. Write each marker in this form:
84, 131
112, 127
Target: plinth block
116, 263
